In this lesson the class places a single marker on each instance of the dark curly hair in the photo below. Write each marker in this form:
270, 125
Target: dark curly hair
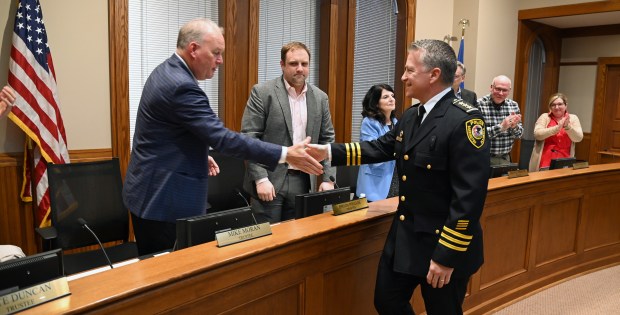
370, 103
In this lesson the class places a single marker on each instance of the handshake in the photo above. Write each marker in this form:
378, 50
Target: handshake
306, 156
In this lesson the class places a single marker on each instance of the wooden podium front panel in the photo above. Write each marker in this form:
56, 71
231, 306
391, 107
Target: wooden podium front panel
538, 229
603, 220
505, 245
557, 230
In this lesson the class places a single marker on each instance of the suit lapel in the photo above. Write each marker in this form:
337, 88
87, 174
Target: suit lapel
430, 122
282, 96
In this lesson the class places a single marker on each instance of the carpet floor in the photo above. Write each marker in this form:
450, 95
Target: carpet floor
594, 293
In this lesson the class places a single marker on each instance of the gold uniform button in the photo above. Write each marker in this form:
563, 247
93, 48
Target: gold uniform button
402, 217
436, 231
406, 157
404, 178
402, 198
428, 166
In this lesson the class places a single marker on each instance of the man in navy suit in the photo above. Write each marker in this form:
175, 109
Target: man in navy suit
175, 126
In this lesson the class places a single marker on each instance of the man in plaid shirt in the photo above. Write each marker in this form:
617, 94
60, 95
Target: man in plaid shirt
503, 119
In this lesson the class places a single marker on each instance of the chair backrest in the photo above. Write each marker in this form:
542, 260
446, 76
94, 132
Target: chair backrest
91, 191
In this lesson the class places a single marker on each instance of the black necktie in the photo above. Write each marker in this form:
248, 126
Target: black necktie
421, 111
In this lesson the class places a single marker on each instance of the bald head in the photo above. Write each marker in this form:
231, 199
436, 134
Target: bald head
500, 88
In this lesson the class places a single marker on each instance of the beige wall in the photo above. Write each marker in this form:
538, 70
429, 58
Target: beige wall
496, 43
78, 38
433, 19
579, 82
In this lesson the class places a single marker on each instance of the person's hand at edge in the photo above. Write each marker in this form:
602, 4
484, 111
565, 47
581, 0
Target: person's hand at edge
7, 99
298, 158
438, 275
214, 169
326, 186
265, 191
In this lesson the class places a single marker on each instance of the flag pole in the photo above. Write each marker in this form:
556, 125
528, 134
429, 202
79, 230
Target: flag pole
464, 23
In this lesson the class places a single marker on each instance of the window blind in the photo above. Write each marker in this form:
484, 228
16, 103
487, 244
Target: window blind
153, 29
374, 53
283, 21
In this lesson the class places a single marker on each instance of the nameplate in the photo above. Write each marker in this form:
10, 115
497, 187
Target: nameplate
353, 205
242, 234
580, 165
32, 296
517, 173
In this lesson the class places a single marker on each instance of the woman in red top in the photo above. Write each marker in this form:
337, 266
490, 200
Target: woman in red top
556, 133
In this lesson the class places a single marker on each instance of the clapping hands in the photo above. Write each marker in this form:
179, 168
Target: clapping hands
511, 121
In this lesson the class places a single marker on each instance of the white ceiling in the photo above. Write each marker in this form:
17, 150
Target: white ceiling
593, 19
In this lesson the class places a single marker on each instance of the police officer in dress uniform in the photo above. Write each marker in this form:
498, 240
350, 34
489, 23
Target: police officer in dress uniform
442, 158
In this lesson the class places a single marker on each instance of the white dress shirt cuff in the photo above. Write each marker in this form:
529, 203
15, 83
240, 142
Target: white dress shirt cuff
283, 155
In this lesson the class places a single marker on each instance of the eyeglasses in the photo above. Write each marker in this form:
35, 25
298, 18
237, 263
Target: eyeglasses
500, 90
557, 105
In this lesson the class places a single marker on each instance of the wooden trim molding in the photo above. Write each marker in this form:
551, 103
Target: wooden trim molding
599, 30
569, 9
119, 80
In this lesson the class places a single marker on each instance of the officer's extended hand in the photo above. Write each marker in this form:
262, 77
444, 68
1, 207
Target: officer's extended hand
317, 151
297, 157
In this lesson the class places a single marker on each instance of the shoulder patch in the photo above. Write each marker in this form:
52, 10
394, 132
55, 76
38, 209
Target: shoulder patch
475, 130
466, 107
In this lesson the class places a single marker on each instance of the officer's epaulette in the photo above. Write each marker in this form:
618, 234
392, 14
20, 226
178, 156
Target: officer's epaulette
466, 107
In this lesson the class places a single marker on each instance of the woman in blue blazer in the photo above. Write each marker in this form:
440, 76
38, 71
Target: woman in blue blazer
374, 180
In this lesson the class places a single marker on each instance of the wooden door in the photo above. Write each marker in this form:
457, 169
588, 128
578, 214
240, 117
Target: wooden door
605, 147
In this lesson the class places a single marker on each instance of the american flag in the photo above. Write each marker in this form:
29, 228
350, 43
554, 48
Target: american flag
36, 110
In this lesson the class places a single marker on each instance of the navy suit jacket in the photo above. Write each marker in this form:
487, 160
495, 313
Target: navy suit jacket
175, 126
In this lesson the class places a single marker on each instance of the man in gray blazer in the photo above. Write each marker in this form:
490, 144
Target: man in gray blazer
285, 111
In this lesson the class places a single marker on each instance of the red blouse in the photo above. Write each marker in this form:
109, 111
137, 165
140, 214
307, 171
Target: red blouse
556, 146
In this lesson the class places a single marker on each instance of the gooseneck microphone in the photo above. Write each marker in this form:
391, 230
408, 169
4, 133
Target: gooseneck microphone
333, 179
85, 225
246, 203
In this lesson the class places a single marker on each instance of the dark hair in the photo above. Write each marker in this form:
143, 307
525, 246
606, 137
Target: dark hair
370, 103
292, 46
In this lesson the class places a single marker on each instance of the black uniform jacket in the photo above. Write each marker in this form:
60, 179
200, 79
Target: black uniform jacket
443, 169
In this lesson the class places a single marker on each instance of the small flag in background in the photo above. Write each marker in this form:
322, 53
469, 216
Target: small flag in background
36, 110
461, 57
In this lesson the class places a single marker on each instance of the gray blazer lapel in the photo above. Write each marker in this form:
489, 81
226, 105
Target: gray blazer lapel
282, 96
313, 113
